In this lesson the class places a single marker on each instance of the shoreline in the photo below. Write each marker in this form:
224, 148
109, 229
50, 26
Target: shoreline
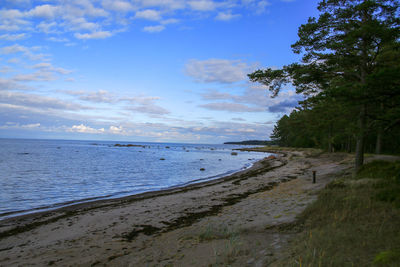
135, 230
77, 206
153, 193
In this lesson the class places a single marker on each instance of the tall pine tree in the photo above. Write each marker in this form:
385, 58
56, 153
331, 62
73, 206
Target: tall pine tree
341, 51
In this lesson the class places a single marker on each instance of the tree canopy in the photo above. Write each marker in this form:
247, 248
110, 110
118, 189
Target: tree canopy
349, 72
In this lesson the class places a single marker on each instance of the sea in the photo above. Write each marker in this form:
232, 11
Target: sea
39, 175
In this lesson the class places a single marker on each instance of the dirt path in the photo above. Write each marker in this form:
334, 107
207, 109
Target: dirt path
230, 221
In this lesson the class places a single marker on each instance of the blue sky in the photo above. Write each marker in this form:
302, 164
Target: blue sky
144, 70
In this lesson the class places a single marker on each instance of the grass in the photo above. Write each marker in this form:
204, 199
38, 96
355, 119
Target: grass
226, 257
224, 253
354, 222
212, 232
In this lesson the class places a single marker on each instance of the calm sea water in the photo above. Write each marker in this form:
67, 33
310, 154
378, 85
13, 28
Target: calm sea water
44, 174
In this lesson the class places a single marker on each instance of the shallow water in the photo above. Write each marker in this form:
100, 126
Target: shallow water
44, 174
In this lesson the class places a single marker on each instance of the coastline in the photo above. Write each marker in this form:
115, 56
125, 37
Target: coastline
129, 222
95, 202
78, 184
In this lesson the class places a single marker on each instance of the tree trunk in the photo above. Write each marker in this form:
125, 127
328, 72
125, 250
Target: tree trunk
349, 144
379, 135
359, 153
362, 115
360, 140
378, 148
330, 143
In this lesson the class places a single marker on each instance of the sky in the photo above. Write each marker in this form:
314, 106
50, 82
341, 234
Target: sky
145, 70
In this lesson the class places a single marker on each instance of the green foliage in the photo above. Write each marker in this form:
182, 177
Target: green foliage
387, 257
381, 169
350, 72
320, 123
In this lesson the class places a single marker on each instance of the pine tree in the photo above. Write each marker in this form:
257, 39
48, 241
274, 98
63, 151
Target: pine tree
341, 51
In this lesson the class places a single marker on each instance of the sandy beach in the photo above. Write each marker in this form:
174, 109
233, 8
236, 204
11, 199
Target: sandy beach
237, 220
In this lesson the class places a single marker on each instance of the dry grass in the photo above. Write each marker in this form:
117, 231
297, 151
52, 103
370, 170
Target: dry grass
354, 222
212, 232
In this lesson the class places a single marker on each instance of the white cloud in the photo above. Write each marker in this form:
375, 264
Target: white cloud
143, 100
150, 109
231, 107
168, 5
85, 8
78, 24
43, 65
59, 40
101, 96
6, 84
169, 21
202, 5
117, 130
13, 37
226, 16
14, 60
48, 67
26, 51
44, 11
145, 105
85, 129
101, 18
14, 49
10, 14
30, 126
217, 70
37, 101
34, 77
6, 69
12, 20
148, 14
253, 97
117, 5
154, 29
261, 6
82, 128
93, 35
141, 104
47, 27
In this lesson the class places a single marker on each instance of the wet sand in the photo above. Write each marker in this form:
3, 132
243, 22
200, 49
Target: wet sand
236, 220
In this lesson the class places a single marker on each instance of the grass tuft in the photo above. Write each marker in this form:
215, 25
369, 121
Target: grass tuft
212, 232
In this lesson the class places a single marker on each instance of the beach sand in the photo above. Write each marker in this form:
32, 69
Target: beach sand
239, 220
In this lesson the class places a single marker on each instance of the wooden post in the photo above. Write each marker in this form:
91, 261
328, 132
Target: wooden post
314, 177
